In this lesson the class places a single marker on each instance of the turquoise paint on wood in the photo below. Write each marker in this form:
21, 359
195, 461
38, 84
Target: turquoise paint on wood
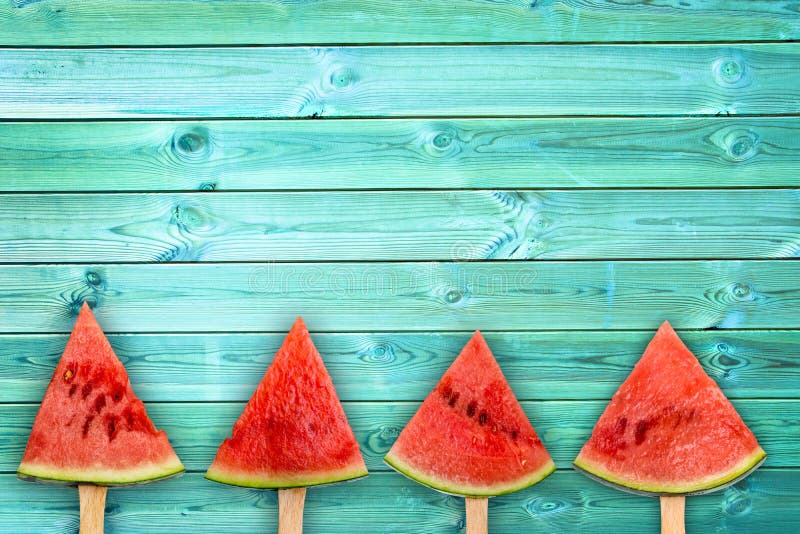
564, 372
397, 366
175, 22
386, 502
430, 225
400, 81
196, 431
404, 296
392, 153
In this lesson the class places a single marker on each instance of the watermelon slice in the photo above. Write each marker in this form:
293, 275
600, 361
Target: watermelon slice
293, 431
91, 427
470, 437
669, 428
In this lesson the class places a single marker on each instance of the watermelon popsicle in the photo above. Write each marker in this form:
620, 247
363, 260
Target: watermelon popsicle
91, 429
471, 438
669, 431
293, 433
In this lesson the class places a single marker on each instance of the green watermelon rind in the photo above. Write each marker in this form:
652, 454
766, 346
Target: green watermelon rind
254, 481
707, 485
62, 478
469, 491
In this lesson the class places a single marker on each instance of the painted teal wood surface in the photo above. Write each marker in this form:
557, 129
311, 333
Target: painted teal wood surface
398, 153
644, 154
400, 81
443, 225
176, 22
565, 502
563, 425
406, 366
404, 296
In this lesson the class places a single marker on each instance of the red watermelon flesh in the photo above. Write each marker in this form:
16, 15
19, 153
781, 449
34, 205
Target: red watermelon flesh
470, 436
669, 428
293, 431
91, 427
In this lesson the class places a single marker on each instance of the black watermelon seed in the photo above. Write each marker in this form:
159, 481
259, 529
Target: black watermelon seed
454, 399
87, 424
111, 427
640, 434
99, 403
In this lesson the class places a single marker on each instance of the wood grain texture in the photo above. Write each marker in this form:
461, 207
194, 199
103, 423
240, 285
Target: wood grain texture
566, 501
392, 153
430, 225
175, 22
400, 81
404, 296
196, 430
672, 514
92, 508
397, 366
477, 515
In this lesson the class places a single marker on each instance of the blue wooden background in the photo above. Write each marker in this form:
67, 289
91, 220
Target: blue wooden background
562, 174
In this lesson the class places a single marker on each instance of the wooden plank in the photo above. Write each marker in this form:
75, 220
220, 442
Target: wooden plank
430, 225
175, 22
397, 366
391, 153
567, 501
404, 296
196, 431
400, 81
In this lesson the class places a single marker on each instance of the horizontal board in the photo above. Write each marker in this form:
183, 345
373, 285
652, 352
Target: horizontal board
429, 225
767, 501
391, 153
176, 22
397, 366
400, 81
197, 430
403, 296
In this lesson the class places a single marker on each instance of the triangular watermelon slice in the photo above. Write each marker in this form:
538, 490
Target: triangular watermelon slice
91, 427
470, 437
669, 428
293, 431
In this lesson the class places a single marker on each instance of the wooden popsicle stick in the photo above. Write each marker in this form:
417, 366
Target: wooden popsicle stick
477, 515
93, 508
290, 510
672, 509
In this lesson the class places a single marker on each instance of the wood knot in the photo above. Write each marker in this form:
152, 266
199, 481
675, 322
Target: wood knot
730, 72
192, 144
443, 140
741, 291
378, 353
743, 147
454, 296
93, 279
738, 504
342, 78
189, 218
540, 506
